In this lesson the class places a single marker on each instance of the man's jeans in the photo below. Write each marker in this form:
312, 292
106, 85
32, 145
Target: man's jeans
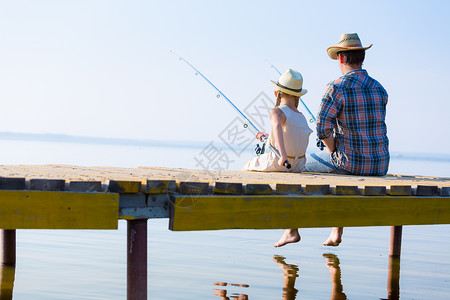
321, 162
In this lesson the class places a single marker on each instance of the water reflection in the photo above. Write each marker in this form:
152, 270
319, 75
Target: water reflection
393, 284
337, 290
7, 274
289, 274
222, 292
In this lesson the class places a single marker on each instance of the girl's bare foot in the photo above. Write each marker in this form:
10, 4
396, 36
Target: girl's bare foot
335, 237
289, 236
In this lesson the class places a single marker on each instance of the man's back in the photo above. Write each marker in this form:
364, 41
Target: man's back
355, 107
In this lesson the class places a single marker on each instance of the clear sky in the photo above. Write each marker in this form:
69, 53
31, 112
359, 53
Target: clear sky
104, 68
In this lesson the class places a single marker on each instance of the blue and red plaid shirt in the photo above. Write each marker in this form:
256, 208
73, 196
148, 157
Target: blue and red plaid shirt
353, 108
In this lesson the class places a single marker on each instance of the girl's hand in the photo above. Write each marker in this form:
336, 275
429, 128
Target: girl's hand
281, 161
259, 135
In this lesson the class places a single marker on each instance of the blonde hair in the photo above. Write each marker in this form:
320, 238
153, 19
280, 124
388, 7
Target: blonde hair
282, 94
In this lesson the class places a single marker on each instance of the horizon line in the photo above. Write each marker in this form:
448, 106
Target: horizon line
67, 138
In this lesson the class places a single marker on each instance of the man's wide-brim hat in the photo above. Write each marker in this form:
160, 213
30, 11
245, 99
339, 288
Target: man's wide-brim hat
347, 42
290, 82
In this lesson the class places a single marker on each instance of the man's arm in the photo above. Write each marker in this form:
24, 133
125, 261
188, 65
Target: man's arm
326, 119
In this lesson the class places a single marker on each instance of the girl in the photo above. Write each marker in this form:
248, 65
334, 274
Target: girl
290, 131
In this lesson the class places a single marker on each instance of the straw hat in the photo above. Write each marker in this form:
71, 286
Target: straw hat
290, 82
347, 42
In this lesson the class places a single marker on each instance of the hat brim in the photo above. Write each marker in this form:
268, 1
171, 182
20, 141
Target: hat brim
332, 51
279, 88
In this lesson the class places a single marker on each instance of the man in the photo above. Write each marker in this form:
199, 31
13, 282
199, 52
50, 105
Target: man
351, 121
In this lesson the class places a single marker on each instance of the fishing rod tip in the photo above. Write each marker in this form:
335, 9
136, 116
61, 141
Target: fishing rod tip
171, 51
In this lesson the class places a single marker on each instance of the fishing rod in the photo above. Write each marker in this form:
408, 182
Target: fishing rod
247, 120
312, 119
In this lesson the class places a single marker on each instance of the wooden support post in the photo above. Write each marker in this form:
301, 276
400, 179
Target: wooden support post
137, 259
8, 257
395, 244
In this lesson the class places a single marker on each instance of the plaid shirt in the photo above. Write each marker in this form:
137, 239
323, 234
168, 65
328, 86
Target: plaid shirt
353, 108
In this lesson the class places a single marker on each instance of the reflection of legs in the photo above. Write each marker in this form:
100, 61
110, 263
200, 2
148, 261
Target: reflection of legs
335, 237
335, 274
290, 236
289, 273
223, 293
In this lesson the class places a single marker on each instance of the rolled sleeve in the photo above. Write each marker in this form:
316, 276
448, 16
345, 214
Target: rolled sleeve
329, 108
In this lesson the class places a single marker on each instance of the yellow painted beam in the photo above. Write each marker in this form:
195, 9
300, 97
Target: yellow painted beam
277, 212
58, 210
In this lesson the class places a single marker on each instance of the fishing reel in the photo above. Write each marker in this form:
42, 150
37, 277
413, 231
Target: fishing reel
260, 150
320, 144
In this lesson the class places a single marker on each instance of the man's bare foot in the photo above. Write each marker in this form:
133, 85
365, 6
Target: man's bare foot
289, 236
335, 237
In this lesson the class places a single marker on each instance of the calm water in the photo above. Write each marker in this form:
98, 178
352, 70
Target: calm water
78, 264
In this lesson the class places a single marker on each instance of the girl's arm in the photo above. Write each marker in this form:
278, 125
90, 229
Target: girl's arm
278, 118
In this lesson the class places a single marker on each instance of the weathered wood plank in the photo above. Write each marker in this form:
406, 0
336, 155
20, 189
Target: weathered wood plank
347, 190
85, 186
445, 191
58, 210
192, 188
104, 174
317, 189
423, 190
375, 191
277, 212
12, 183
400, 190
124, 186
258, 189
228, 188
133, 201
160, 186
47, 184
288, 189
158, 206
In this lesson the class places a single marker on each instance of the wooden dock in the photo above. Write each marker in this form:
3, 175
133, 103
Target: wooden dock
73, 197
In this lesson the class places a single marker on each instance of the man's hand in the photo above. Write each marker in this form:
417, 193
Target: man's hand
329, 143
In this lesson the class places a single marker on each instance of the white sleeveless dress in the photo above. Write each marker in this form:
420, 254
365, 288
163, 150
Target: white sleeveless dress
296, 137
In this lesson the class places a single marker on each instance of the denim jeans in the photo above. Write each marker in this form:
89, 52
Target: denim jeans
321, 162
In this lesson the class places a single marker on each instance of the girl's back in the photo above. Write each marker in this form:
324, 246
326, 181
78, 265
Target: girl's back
295, 132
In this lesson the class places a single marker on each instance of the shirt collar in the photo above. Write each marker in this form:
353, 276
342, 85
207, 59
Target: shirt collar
356, 72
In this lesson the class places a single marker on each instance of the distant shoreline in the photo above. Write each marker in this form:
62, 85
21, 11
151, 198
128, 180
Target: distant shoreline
63, 138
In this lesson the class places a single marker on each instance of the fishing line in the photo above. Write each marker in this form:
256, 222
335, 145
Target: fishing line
249, 123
